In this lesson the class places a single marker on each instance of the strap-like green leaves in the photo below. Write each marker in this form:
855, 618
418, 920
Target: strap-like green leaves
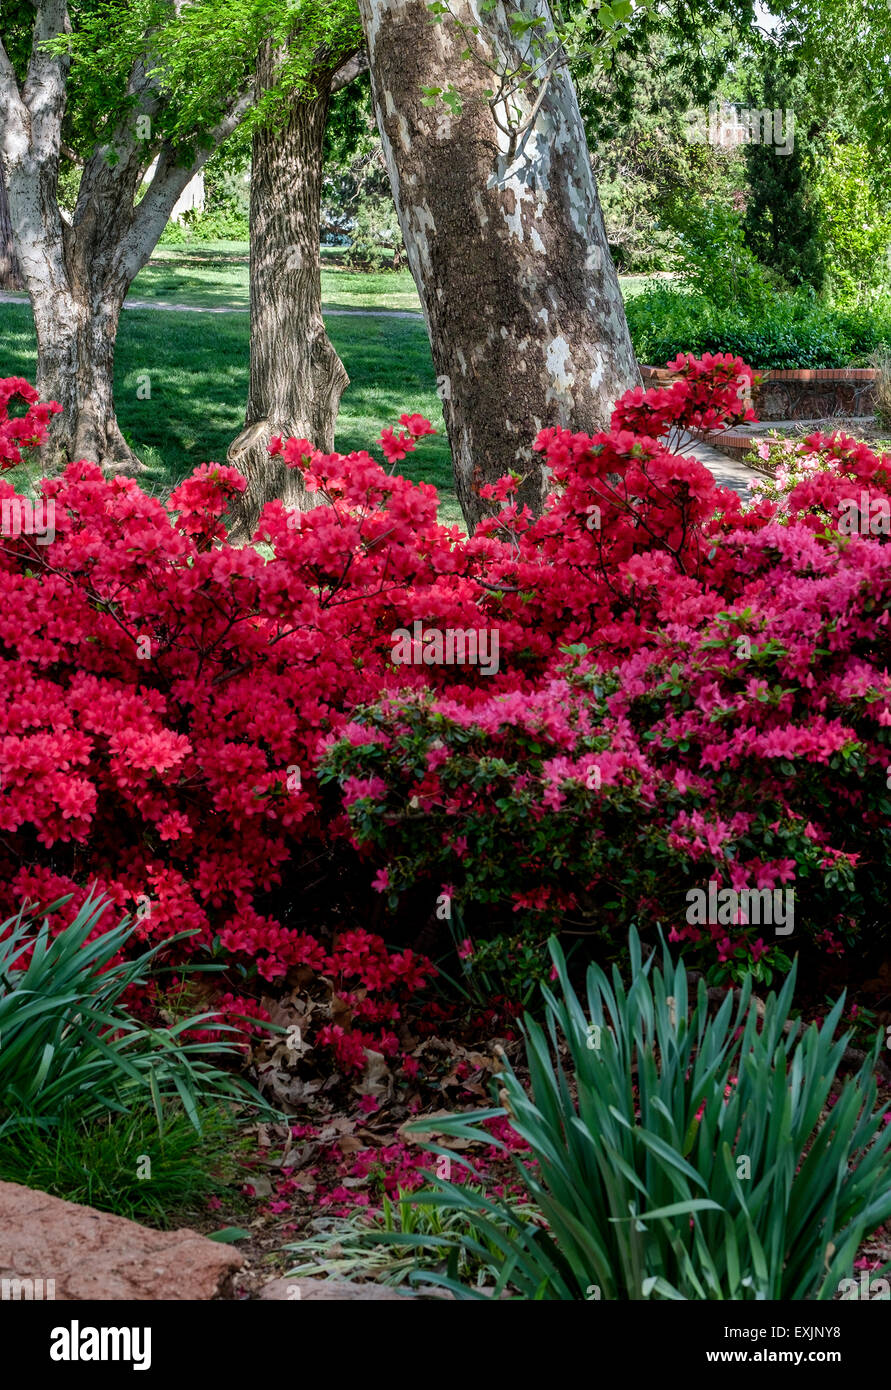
68, 1045
686, 1155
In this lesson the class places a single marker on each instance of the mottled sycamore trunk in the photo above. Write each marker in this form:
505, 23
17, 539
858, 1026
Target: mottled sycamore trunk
77, 270
10, 276
296, 377
506, 244
76, 330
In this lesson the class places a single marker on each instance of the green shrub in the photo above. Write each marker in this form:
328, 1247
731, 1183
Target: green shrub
713, 258
220, 224
68, 1047
855, 222
791, 331
375, 239
782, 214
508, 965
681, 1156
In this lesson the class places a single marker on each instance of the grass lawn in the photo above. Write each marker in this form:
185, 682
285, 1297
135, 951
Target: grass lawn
215, 274
199, 375
199, 366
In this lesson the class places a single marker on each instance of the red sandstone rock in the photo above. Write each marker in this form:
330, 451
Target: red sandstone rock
92, 1254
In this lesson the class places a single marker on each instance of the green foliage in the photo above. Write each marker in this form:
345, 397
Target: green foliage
375, 238
357, 202
713, 258
635, 121
855, 223
203, 55
127, 1164
681, 1155
350, 129
214, 224
788, 332
509, 965
405, 1236
845, 44
68, 1046
700, 39
782, 220
227, 197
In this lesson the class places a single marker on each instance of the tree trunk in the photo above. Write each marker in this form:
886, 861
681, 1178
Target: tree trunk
10, 275
296, 377
75, 366
77, 271
505, 240
76, 298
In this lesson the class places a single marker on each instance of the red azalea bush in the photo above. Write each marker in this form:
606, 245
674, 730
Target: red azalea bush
211, 733
711, 702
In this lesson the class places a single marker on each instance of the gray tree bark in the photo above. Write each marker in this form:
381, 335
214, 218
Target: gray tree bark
505, 238
10, 276
77, 271
296, 376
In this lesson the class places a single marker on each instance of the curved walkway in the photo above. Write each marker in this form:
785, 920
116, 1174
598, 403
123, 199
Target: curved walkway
727, 472
14, 297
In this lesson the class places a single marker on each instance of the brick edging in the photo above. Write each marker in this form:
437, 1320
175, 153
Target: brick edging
736, 446
775, 374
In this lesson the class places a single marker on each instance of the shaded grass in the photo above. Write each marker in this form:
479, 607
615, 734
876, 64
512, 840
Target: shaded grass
198, 365
125, 1164
198, 371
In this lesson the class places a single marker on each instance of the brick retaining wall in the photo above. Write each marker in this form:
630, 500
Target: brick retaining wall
806, 394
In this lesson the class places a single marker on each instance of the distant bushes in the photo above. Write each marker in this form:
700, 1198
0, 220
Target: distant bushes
724, 300
217, 225
788, 331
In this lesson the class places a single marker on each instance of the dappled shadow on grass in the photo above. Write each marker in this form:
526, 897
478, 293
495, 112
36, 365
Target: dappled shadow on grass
216, 276
351, 307
198, 257
197, 368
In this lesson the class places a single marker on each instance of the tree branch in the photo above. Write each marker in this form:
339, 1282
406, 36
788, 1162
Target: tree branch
44, 89
12, 109
170, 178
350, 70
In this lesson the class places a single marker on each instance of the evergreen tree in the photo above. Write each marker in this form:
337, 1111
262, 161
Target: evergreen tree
782, 223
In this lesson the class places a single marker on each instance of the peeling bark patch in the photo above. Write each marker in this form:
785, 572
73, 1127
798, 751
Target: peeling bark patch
507, 246
597, 375
558, 361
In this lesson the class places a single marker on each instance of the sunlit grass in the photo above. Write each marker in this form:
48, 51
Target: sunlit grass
198, 373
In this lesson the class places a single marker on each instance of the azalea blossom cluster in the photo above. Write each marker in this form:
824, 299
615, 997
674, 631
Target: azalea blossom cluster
167, 697
219, 738
27, 429
700, 695
790, 464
